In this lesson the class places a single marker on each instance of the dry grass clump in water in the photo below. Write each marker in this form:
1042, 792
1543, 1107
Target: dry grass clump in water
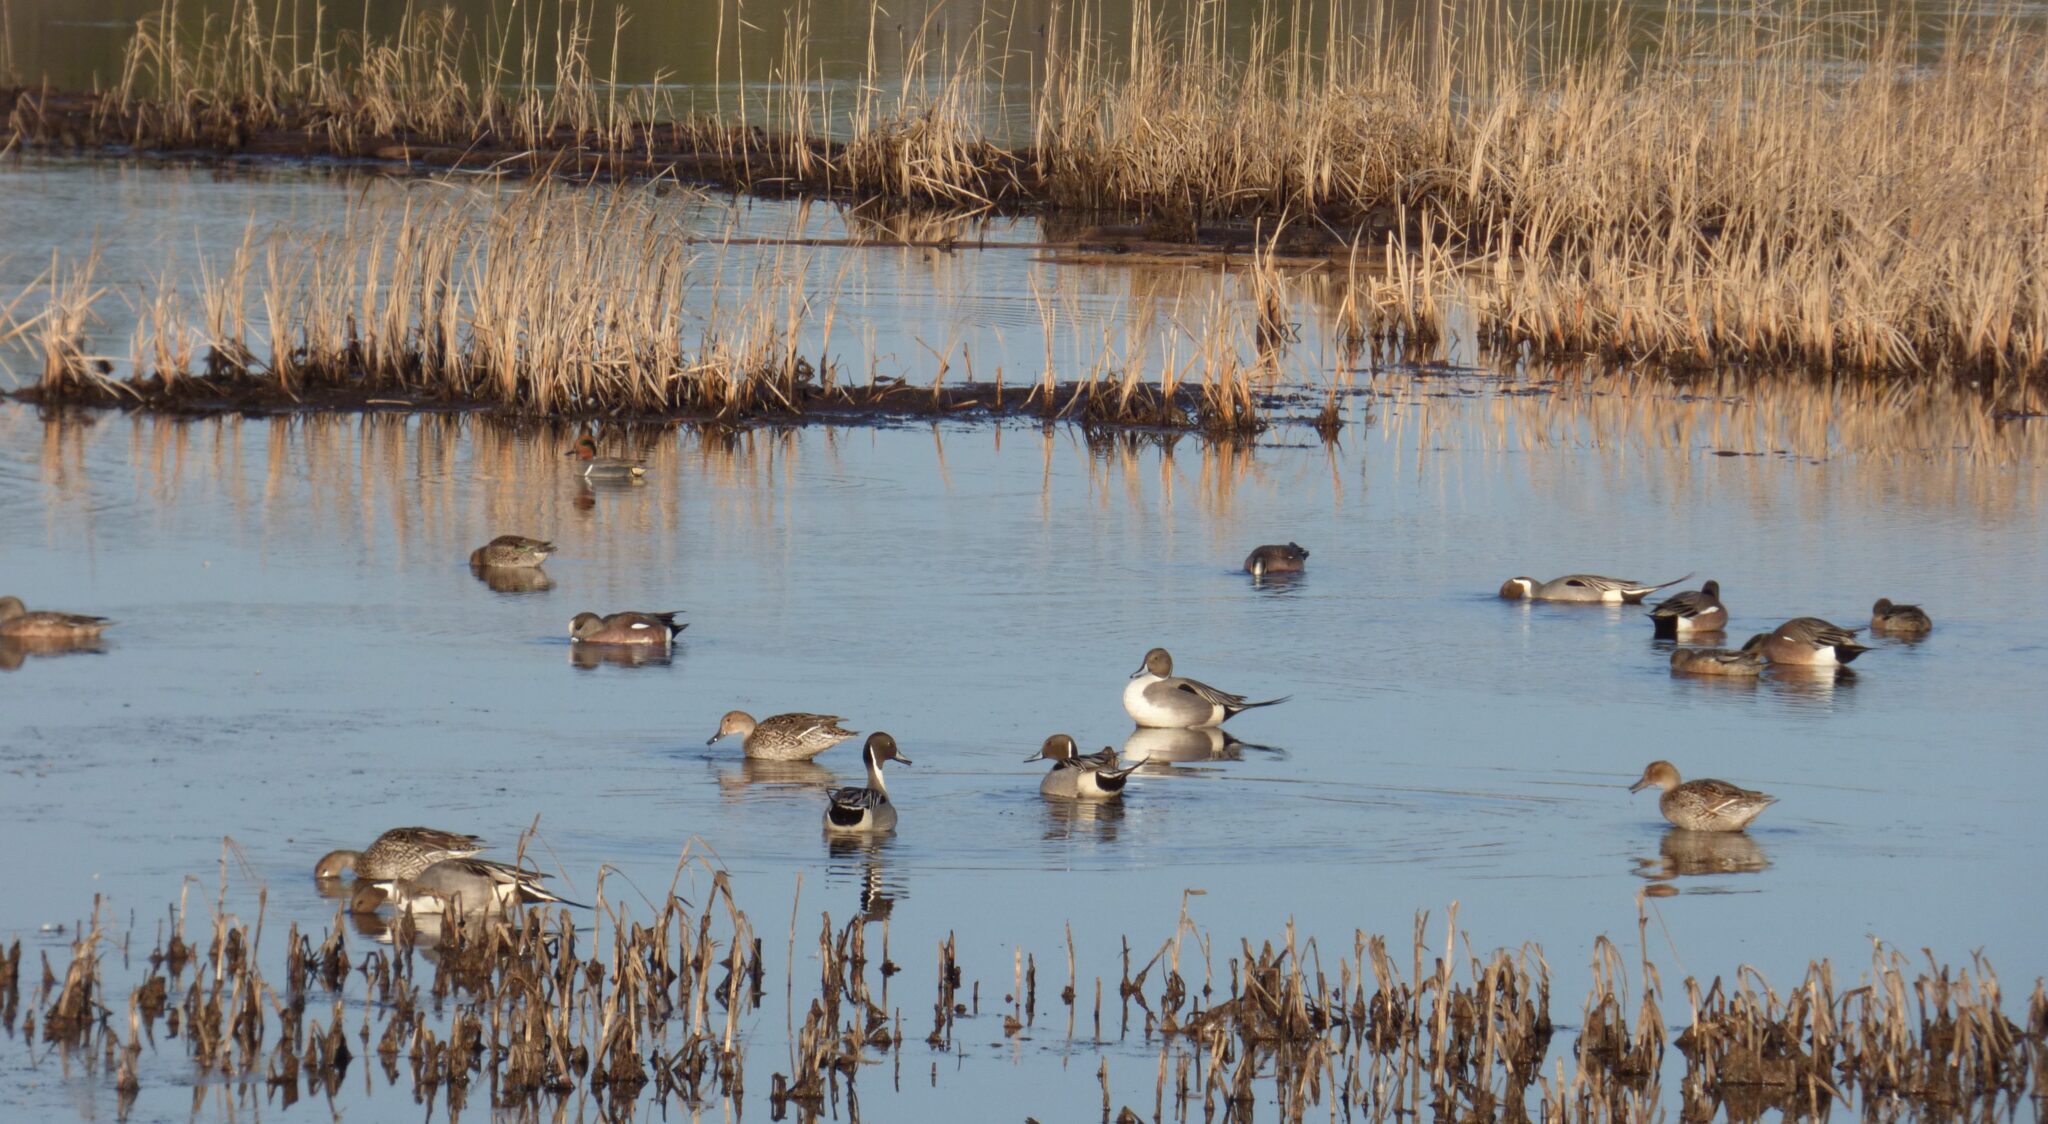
1796, 187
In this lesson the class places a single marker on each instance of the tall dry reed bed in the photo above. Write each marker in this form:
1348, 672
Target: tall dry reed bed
557, 302
660, 999
1794, 187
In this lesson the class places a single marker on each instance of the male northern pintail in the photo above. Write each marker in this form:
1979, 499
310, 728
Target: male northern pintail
1158, 697
1811, 642
1748, 660
1706, 805
1582, 587
1096, 776
589, 464
1270, 559
783, 737
466, 887
402, 852
17, 623
511, 550
626, 628
868, 809
1887, 617
1694, 610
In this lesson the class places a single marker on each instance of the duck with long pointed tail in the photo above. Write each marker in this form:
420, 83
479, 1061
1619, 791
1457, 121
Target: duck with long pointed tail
1158, 697
866, 811
1693, 610
467, 887
402, 852
1582, 587
1074, 776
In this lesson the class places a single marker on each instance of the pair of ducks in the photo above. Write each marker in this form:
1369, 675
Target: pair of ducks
518, 552
433, 871
800, 736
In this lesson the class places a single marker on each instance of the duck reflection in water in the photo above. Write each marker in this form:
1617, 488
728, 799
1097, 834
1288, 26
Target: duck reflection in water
588, 656
1070, 821
1158, 749
16, 650
756, 778
1811, 685
865, 859
514, 579
1684, 854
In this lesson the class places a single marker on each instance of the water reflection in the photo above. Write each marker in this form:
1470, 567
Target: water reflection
15, 650
1158, 748
1683, 854
1808, 686
781, 778
514, 579
588, 656
864, 860
1092, 821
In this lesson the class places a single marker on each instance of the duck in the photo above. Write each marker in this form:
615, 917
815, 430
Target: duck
593, 467
1704, 805
511, 551
1747, 660
17, 623
1690, 611
1582, 587
1158, 697
402, 852
467, 887
796, 736
1887, 617
631, 627
1096, 776
1810, 642
1270, 559
866, 810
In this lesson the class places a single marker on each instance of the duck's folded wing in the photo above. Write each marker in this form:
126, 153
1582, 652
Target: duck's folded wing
1207, 693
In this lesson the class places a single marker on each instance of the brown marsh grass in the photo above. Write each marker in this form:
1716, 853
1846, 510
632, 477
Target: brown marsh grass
1804, 187
650, 996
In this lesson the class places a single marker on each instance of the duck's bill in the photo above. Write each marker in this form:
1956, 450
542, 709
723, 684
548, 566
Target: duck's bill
1639, 785
713, 739
904, 760
1033, 757
1140, 671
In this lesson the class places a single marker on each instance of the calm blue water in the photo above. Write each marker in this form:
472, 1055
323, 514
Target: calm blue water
304, 659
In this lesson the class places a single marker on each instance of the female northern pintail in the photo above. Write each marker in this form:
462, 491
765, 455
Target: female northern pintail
17, 623
1096, 776
402, 852
1747, 660
1887, 617
1269, 559
1702, 805
1582, 587
626, 628
783, 737
1810, 642
589, 464
1694, 610
511, 550
866, 809
1158, 697
465, 887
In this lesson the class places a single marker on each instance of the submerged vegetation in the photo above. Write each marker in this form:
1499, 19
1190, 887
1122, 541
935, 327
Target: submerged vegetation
661, 1005
1806, 189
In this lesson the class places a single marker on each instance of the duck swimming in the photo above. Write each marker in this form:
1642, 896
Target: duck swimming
1158, 697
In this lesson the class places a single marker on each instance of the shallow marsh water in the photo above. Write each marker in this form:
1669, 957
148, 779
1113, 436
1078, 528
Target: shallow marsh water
304, 659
